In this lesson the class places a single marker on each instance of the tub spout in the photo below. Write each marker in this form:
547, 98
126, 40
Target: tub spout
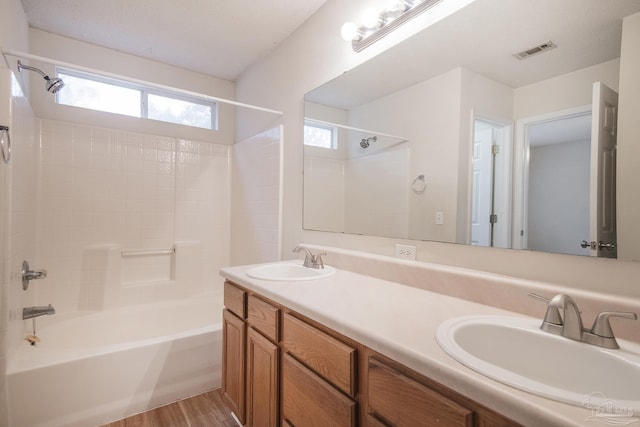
37, 311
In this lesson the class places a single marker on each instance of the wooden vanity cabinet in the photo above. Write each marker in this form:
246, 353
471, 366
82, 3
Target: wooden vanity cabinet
234, 332
318, 376
282, 369
394, 395
263, 364
399, 400
263, 373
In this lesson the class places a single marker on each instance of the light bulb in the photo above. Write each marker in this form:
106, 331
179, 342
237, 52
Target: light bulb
349, 31
370, 18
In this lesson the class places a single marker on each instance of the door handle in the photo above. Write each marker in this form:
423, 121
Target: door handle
600, 245
585, 244
603, 245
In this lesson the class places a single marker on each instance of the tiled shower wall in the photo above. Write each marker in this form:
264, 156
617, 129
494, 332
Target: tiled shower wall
257, 198
101, 187
20, 199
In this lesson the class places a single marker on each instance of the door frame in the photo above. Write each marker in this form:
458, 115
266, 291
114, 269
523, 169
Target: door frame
519, 237
504, 179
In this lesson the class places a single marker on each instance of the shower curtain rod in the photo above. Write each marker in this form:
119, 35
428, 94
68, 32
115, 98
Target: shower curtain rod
22, 55
373, 132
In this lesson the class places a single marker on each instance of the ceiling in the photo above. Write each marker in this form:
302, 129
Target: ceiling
221, 38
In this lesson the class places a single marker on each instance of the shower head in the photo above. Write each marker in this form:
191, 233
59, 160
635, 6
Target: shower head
364, 143
52, 85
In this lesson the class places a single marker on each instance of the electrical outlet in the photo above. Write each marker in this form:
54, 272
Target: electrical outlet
439, 218
405, 251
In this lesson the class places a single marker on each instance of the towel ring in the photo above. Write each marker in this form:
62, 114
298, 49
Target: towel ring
419, 184
5, 147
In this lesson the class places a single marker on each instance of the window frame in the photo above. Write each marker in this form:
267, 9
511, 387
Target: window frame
145, 91
334, 134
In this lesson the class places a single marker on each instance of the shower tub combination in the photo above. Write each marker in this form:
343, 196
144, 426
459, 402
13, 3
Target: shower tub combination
96, 367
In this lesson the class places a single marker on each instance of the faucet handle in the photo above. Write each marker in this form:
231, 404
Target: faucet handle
317, 260
553, 313
602, 326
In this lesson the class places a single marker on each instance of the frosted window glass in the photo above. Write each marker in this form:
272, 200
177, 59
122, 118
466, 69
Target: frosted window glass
178, 111
317, 136
94, 95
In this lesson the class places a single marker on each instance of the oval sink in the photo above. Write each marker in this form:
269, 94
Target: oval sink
289, 271
516, 352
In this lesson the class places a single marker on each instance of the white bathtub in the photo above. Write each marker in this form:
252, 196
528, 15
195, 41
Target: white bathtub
91, 368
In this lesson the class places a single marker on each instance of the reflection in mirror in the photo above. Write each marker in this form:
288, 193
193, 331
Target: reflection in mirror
477, 123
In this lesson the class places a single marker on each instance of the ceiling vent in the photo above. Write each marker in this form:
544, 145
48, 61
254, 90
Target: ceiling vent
536, 50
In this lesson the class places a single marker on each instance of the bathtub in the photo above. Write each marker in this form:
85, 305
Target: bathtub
92, 368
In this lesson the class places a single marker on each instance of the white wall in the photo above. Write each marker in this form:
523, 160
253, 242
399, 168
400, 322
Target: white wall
558, 218
432, 128
20, 198
376, 193
564, 92
315, 54
628, 144
13, 35
256, 198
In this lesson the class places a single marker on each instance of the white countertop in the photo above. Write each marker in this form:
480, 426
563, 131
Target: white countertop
400, 322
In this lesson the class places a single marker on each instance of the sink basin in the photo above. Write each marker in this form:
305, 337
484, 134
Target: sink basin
516, 352
289, 271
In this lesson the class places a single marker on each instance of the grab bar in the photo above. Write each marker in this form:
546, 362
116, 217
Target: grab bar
149, 252
6, 153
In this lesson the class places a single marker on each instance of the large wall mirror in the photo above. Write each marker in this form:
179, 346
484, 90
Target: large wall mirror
493, 127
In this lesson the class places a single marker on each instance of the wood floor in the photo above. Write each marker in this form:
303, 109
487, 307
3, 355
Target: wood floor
205, 410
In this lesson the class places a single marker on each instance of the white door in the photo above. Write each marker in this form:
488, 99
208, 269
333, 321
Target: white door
602, 227
481, 185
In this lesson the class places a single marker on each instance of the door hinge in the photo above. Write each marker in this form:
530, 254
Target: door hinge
493, 219
495, 149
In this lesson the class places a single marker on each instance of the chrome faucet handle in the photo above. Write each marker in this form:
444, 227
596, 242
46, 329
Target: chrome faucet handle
28, 275
602, 326
553, 312
317, 260
309, 258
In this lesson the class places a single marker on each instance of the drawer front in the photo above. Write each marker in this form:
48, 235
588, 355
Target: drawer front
235, 300
325, 355
400, 401
309, 401
264, 317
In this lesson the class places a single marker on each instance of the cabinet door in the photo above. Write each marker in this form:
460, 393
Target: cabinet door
262, 381
403, 402
234, 332
309, 401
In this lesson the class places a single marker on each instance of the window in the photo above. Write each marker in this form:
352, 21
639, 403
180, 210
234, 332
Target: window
318, 135
95, 92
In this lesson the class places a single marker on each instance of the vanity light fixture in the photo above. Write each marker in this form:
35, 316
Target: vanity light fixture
377, 25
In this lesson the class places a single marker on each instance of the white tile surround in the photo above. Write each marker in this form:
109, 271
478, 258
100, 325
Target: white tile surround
256, 198
141, 192
504, 292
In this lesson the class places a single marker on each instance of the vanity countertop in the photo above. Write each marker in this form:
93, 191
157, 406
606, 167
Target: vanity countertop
400, 322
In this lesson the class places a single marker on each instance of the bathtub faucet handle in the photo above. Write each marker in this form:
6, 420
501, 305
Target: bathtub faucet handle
28, 275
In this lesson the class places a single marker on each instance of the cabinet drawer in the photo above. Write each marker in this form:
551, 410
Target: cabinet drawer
264, 317
308, 401
235, 300
328, 357
401, 401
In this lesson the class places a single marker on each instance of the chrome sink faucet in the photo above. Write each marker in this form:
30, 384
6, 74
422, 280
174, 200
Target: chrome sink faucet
311, 260
563, 318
